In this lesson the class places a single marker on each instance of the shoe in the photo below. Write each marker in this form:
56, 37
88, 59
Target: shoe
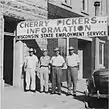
53, 92
41, 91
33, 91
68, 94
74, 94
46, 92
59, 93
27, 90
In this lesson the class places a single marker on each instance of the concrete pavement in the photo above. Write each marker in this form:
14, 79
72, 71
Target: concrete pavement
16, 98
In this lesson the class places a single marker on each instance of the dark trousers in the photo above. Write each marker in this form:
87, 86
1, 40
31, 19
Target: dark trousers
56, 78
72, 76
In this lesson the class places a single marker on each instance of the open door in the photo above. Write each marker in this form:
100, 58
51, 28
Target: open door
8, 60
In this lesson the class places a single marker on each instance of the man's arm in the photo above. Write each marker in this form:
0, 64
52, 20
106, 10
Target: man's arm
63, 62
25, 64
37, 64
51, 61
78, 61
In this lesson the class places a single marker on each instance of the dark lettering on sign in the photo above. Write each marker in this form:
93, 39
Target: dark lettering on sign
46, 35
76, 21
24, 37
97, 33
93, 20
75, 34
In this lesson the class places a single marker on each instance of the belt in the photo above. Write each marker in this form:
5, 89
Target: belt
43, 66
57, 66
72, 66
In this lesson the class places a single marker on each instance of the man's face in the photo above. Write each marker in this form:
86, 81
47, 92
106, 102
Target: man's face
45, 53
56, 53
71, 52
30, 53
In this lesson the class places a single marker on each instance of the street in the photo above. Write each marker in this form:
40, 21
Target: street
16, 98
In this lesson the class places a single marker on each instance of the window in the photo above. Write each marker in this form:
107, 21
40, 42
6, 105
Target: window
101, 53
62, 44
68, 2
85, 4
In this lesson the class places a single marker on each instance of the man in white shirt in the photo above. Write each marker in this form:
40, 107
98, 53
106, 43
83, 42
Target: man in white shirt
31, 63
44, 70
72, 62
57, 63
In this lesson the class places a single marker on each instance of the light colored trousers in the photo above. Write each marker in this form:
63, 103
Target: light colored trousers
72, 77
44, 77
30, 79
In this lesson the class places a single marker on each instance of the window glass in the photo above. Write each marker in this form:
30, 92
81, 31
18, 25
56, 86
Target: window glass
68, 2
101, 53
62, 44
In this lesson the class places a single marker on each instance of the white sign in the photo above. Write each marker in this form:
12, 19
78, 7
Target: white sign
63, 28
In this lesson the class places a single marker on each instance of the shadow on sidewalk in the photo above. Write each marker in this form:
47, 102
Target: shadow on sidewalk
93, 103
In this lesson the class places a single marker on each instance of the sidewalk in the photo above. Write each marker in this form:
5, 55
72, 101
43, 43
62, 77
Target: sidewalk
16, 98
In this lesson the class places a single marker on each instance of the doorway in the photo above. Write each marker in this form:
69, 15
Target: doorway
80, 72
8, 59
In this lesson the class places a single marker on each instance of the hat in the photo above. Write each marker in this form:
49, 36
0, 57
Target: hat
44, 49
31, 50
71, 48
56, 49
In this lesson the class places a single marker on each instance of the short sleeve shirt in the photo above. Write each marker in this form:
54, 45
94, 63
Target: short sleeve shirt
72, 60
44, 60
31, 61
57, 60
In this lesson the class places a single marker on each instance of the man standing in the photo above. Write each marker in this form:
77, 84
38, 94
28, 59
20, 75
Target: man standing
57, 63
44, 71
72, 62
30, 66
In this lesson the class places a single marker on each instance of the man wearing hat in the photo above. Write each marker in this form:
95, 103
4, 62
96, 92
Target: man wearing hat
31, 63
57, 63
44, 71
72, 62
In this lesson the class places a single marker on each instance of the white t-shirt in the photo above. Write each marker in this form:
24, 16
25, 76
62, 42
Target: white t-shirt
57, 60
72, 60
31, 62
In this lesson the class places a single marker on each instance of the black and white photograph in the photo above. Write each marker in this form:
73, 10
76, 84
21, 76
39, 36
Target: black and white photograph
54, 54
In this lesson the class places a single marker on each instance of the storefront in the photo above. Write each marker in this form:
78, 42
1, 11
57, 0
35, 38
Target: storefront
85, 47
12, 52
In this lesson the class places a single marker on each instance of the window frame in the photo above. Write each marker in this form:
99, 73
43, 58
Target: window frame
102, 51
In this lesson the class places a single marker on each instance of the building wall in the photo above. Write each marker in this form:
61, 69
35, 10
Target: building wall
104, 7
75, 6
18, 11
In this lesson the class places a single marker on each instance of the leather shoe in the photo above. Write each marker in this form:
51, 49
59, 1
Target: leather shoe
27, 90
74, 94
59, 93
53, 92
33, 91
41, 91
68, 94
46, 92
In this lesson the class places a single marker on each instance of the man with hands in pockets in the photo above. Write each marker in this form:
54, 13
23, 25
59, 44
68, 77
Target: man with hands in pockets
72, 62
44, 71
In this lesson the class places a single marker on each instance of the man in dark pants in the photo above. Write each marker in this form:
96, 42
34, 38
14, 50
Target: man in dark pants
72, 62
57, 63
